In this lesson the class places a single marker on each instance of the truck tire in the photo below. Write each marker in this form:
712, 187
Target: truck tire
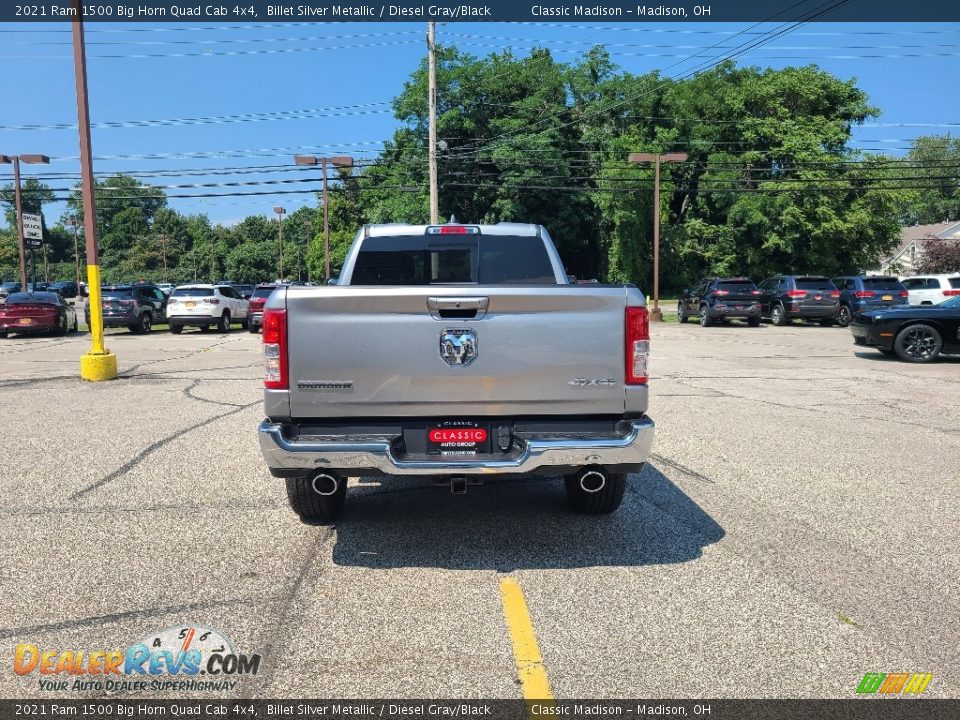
596, 502
310, 505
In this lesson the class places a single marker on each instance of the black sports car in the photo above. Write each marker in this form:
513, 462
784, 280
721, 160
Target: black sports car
916, 333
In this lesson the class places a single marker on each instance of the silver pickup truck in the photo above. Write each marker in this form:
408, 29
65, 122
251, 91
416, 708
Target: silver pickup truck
455, 352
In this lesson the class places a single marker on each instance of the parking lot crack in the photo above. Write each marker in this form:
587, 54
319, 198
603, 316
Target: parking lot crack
152, 448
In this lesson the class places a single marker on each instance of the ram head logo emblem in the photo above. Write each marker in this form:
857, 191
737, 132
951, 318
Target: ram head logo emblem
458, 347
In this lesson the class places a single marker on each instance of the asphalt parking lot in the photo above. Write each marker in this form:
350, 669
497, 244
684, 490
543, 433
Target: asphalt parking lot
799, 526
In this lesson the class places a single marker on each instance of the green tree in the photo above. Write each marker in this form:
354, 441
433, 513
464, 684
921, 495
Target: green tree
932, 167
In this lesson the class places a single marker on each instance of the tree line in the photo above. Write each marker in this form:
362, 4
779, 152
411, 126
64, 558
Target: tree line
771, 184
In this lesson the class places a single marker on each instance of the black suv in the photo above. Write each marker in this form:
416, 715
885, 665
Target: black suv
720, 299
810, 297
136, 307
859, 293
66, 288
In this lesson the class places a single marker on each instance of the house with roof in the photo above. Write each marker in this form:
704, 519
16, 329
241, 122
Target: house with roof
903, 259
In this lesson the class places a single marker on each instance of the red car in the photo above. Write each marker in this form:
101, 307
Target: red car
37, 312
257, 301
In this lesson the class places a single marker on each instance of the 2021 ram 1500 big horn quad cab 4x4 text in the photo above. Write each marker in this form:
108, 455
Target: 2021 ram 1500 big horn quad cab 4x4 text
458, 352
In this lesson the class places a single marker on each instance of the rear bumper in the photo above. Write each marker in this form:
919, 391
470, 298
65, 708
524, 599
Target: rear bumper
819, 312
731, 311
869, 335
288, 456
116, 320
192, 320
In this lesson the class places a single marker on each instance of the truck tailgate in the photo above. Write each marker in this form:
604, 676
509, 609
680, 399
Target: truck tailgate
377, 351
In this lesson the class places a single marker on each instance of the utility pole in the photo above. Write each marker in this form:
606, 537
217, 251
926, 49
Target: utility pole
74, 223
98, 364
432, 93
163, 239
656, 158
280, 211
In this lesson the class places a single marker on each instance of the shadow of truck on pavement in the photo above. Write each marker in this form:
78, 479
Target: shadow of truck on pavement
518, 524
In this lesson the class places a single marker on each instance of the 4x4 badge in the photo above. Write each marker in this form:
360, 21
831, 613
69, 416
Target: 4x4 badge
458, 347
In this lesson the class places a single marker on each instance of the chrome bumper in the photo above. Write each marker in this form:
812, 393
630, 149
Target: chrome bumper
282, 453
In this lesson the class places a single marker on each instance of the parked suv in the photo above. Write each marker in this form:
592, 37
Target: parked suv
136, 307
810, 297
932, 289
68, 289
205, 305
859, 293
257, 301
720, 299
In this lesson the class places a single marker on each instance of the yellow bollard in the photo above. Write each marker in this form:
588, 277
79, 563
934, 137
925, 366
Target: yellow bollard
99, 364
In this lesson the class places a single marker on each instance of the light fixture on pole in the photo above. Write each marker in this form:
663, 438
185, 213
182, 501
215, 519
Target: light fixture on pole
657, 158
340, 161
18, 203
280, 211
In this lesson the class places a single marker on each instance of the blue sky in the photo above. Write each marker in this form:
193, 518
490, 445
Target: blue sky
325, 88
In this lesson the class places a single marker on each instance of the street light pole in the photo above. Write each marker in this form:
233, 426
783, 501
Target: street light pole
18, 205
280, 211
340, 161
656, 315
99, 364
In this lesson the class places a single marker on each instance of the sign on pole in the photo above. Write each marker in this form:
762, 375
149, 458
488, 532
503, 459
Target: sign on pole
32, 230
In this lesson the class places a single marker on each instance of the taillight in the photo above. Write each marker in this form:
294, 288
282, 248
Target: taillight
796, 293
721, 292
275, 349
834, 294
172, 301
904, 294
212, 301
754, 292
257, 304
950, 293
864, 293
637, 332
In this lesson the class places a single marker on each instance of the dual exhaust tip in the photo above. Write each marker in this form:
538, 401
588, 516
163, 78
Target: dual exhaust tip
325, 484
592, 481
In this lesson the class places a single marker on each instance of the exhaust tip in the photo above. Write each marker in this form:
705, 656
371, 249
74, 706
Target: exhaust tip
324, 484
592, 481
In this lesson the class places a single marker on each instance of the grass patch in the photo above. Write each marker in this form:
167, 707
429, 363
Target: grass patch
847, 621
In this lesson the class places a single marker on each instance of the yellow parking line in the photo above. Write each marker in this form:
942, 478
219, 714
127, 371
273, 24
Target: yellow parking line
526, 652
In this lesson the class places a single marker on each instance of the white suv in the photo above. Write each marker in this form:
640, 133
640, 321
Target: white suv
205, 305
932, 289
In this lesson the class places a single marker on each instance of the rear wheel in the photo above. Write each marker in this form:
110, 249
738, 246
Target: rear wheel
310, 505
681, 313
593, 491
144, 324
61, 328
3, 334
844, 316
918, 343
778, 316
223, 324
76, 327
251, 327
245, 324
704, 316
176, 329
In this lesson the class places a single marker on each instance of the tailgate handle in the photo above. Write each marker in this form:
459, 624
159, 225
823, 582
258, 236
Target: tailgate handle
459, 308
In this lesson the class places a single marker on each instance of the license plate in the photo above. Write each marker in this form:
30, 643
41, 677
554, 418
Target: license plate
190, 304
457, 437
888, 297
26, 321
